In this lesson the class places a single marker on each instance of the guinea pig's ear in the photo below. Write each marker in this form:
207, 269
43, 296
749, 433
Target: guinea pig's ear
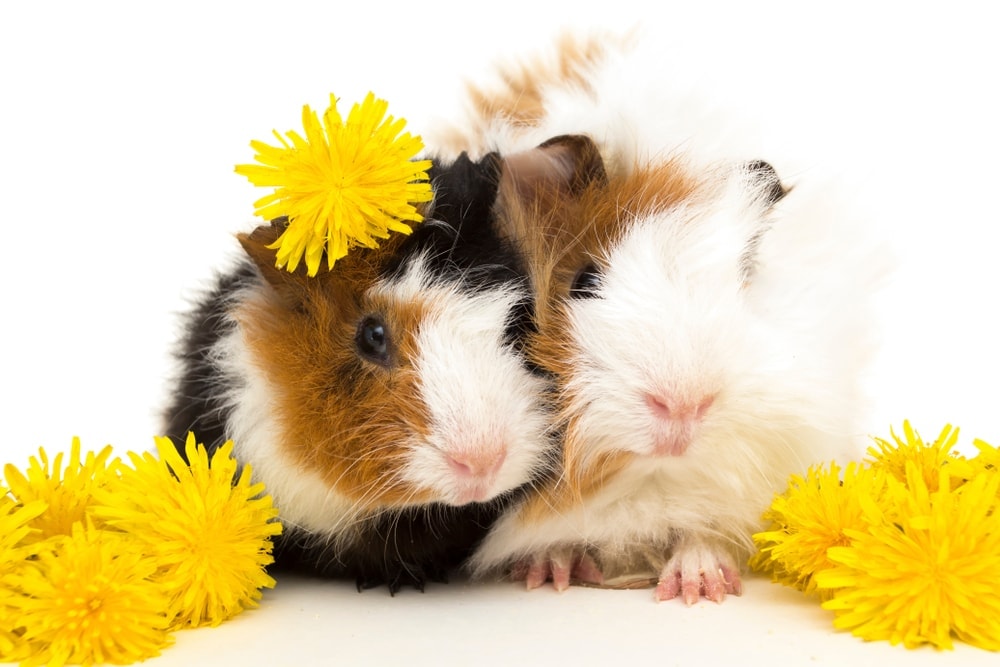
579, 159
491, 166
464, 189
566, 164
758, 180
763, 179
288, 286
481, 184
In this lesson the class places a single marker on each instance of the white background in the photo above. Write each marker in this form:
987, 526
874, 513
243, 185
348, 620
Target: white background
121, 124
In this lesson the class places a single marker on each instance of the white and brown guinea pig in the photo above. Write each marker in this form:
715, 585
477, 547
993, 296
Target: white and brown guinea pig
707, 331
386, 404
707, 326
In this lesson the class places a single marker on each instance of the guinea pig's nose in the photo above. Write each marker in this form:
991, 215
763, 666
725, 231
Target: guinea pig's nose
672, 408
477, 462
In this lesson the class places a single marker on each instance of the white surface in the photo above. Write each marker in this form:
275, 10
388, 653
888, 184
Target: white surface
121, 125
307, 622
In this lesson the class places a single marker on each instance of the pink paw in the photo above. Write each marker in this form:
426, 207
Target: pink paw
698, 570
562, 566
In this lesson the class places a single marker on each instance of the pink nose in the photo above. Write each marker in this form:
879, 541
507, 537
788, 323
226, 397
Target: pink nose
672, 409
477, 464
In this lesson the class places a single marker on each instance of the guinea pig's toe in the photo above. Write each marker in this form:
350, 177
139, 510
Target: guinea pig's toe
539, 571
668, 587
714, 585
586, 570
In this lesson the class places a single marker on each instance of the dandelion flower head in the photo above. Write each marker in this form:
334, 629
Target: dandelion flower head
67, 492
929, 458
88, 598
207, 528
904, 547
814, 514
345, 183
926, 569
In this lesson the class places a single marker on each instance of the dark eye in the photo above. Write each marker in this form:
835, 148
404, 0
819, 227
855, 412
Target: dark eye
586, 283
373, 340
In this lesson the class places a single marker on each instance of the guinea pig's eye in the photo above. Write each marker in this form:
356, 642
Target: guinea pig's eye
586, 283
372, 340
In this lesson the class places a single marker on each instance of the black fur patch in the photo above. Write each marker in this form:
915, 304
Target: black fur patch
461, 240
197, 404
406, 548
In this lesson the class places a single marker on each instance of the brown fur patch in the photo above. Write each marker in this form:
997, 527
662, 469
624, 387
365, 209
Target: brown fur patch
342, 416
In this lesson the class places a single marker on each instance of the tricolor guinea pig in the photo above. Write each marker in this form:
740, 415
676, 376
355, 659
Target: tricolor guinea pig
385, 404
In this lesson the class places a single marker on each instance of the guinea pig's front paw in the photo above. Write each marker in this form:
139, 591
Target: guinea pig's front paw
696, 569
561, 565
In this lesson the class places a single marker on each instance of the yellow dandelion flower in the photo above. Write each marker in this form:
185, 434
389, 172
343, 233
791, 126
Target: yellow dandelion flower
343, 184
926, 569
14, 520
930, 459
67, 492
206, 527
813, 515
88, 598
